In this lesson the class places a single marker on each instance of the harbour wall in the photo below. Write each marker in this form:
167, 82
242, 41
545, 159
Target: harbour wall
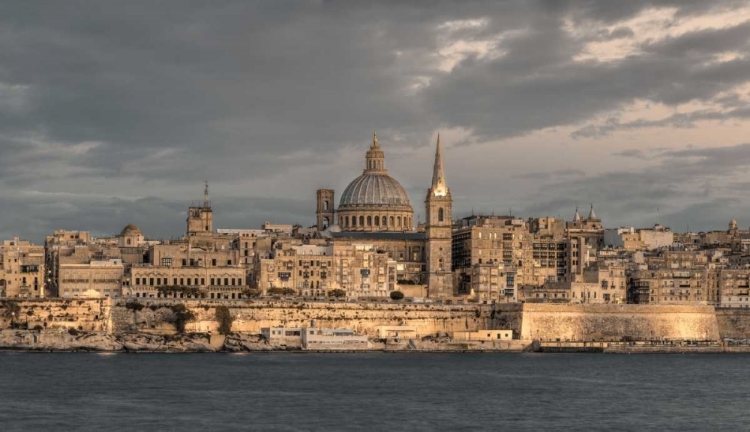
528, 321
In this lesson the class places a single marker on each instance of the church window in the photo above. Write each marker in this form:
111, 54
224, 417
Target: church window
325, 205
398, 219
369, 221
377, 220
361, 221
440, 214
391, 222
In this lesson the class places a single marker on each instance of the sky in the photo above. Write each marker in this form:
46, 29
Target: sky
116, 112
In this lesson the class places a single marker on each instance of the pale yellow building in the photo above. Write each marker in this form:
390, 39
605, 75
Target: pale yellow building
95, 279
22, 269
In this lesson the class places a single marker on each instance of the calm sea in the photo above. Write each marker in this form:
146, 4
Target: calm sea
207, 392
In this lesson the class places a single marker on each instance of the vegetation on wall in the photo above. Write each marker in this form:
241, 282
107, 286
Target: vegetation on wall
282, 291
187, 291
337, 293
397, 295
182, 316
225, 319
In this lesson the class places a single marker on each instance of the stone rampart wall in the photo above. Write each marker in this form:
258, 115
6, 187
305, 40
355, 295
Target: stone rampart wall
156, 316
734, 323
529, 321
611, 322
86, 315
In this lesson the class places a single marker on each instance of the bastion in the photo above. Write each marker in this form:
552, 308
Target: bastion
566, 322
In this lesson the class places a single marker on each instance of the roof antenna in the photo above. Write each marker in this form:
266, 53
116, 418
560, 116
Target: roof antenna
206, 203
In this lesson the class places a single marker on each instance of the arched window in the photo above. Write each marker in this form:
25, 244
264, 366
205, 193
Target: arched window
440, 214
377, 220
369, 221
398, 219
325, 205
390, 223
354, 221
361, 221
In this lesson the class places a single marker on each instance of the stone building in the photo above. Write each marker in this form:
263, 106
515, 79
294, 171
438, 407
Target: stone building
95, 279
674, 277
22, 269
203, 261
631, 239
480, 243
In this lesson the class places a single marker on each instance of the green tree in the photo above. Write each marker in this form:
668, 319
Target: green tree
225, 319
182, 316
281, 291
397, 295
338, 293
11, 311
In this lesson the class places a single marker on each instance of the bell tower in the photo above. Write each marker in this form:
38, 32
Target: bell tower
325, 212
200, 218
438, 231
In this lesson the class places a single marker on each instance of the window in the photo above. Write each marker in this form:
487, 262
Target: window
440, 214
325, 205
369, 221
166, 262
213, 262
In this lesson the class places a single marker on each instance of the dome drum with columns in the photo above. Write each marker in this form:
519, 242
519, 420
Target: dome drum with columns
375, 201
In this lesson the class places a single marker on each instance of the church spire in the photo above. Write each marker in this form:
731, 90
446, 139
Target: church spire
592, 215
577, 217
439, 187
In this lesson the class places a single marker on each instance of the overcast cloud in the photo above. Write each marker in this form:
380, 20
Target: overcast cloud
115, 112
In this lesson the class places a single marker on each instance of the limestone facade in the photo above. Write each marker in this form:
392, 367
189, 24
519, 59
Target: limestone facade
95, 279
22, 269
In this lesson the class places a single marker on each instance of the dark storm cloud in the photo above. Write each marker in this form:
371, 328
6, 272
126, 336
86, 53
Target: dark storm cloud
135, 103
681, 183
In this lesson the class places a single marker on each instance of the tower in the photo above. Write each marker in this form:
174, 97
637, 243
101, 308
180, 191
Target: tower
438, 231
200, 218
325, 212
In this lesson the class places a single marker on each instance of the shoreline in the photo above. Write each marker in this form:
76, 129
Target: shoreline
58, 341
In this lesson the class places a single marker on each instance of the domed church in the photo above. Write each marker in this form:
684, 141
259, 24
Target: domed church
375, 201
375, 209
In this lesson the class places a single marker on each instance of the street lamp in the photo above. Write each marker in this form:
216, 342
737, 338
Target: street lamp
12, 320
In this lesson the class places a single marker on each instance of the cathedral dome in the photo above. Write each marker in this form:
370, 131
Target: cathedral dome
130, 230
375, 201
377, 189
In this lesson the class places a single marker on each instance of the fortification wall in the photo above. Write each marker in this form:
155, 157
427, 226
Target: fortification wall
734, 323
86, 315
529, 321
156, 316
611, 322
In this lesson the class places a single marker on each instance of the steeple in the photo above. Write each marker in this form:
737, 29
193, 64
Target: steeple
375, 159
439, 188
592, 215
577, 217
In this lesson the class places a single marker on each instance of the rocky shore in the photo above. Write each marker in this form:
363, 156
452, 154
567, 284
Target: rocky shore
60, 340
